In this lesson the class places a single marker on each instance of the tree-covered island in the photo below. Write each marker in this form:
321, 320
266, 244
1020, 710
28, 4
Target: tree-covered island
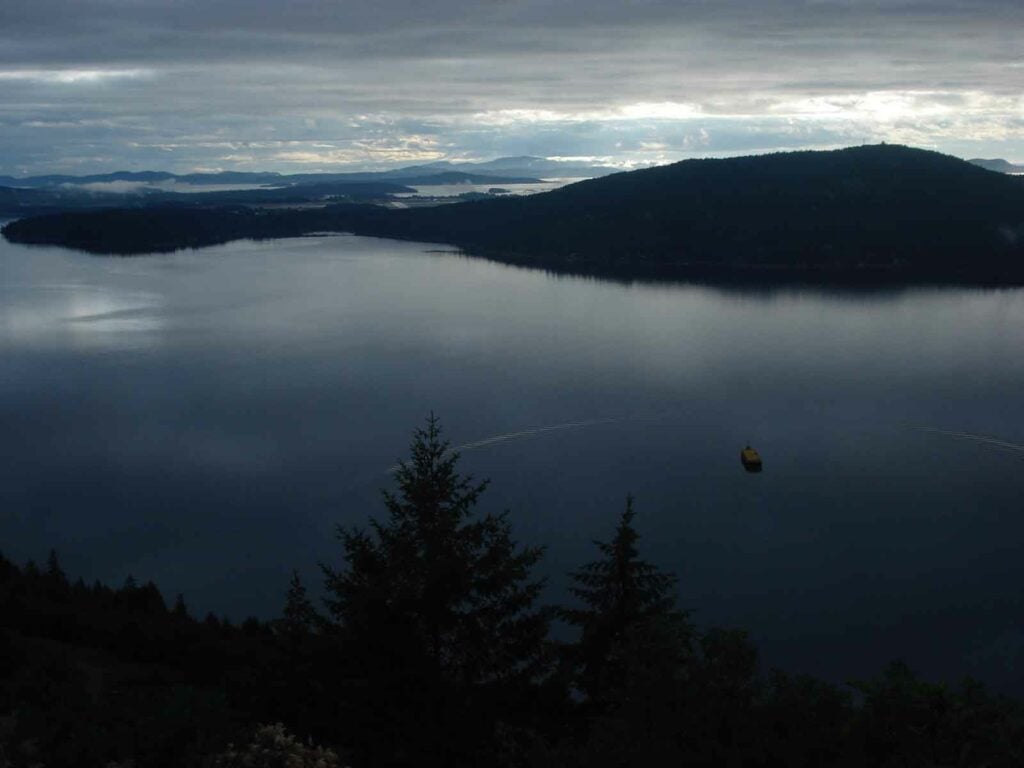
890, 211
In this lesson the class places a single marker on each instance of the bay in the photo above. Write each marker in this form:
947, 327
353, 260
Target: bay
206, 418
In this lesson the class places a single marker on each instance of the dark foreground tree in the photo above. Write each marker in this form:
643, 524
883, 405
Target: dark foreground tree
625, 600
436, 607
300, 618
906, 721
634, 657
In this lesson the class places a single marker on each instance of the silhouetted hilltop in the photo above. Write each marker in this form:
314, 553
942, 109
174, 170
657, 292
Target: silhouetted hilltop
885, 206
882, 208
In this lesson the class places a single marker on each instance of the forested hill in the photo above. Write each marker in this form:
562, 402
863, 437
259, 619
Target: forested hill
883, 205
872, 208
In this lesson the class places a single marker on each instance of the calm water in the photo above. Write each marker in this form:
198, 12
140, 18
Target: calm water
451, 190
205, 419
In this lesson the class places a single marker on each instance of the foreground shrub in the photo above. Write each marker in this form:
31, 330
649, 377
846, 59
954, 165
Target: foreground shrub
272, 746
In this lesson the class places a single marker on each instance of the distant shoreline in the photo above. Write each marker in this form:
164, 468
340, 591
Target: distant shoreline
883, 214
774, 275
29, 232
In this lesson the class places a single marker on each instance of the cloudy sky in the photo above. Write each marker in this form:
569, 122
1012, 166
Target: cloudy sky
305, 85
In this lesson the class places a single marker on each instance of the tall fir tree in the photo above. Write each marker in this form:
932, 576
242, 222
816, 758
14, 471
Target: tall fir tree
53, 569
56, 583
439, 603
180, 610
300, 618
626, 603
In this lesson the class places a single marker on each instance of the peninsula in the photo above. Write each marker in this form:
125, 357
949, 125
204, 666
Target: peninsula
889, 210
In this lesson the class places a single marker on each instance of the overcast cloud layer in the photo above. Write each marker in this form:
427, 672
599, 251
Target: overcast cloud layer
182, 85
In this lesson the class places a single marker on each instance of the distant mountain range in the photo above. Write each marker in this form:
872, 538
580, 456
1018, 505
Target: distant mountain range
998, 165
519, 166
36, 195
422, 175
140, 177
49, 194
504, 170
18, 202
887, 210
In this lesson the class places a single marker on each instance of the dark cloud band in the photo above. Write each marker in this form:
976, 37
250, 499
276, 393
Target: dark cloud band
224, 84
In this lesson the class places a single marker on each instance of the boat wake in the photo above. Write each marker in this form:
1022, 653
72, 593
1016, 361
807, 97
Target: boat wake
523, 433
531, 432
486, 442
983, 439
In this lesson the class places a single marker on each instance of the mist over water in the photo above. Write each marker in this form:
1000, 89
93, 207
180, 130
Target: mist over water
205, 419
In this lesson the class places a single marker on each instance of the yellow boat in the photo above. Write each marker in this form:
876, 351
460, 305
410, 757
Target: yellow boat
751, 459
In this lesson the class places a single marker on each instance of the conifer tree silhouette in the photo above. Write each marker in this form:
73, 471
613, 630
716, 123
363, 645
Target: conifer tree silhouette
438, 602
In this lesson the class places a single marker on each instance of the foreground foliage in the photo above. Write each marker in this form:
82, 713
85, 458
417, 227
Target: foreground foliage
438, 605
272, 746
433, 650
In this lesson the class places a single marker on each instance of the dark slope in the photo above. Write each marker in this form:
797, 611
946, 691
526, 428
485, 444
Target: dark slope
884, 206
867, 208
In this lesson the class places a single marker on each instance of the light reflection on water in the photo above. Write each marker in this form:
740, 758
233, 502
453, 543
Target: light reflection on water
57, 315
206, 418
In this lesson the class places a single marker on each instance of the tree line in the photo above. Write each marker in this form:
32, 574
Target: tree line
861, 214
433, 647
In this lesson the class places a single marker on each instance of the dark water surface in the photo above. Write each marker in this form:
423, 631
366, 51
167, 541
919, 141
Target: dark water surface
205, 419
